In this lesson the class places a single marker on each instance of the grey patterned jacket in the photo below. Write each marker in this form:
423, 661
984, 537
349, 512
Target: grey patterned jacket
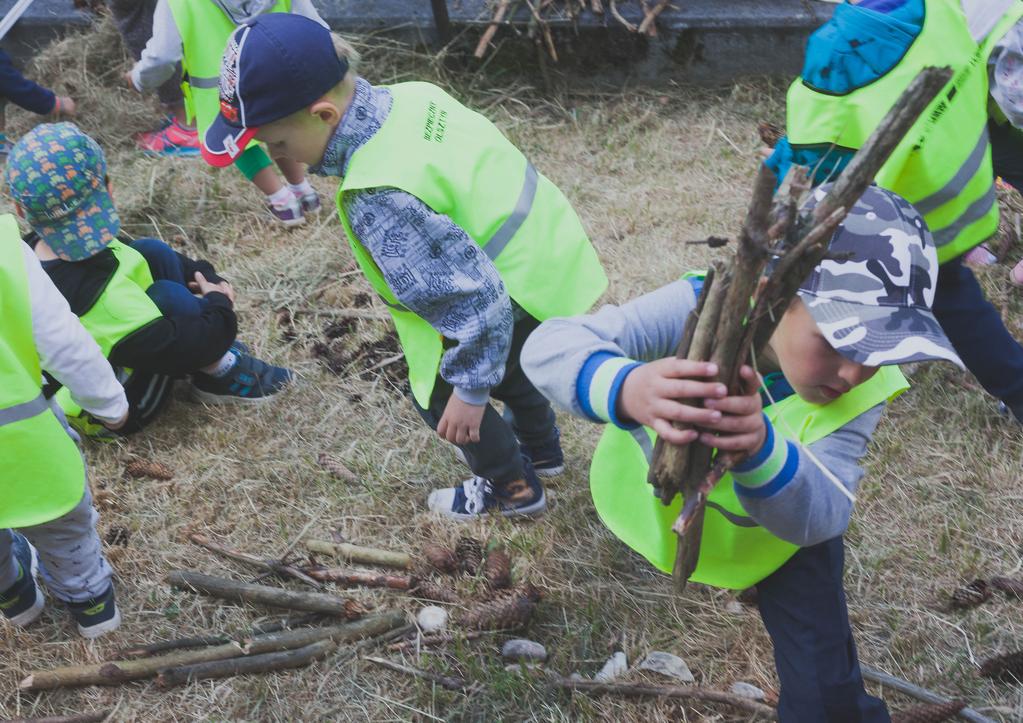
430, 263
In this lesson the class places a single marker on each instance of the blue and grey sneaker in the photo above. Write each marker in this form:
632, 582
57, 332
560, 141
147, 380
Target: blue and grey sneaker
23, 601
96, 616
547, 458
477, 496
249, 380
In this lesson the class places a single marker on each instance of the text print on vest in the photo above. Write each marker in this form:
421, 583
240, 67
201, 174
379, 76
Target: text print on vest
436, 123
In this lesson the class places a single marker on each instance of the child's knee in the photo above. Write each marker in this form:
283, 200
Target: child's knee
173, 299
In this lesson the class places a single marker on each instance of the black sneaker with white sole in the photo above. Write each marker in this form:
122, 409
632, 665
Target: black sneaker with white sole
96, 616
478, 496
547, 458
249, 380
23, 602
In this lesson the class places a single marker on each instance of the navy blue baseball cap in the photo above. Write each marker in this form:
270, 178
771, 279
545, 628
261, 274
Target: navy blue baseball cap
272, 67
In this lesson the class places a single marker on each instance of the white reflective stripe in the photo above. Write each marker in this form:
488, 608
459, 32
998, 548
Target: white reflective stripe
643, 440
983, 15
25, 410
204, 83
513, 223
737, 520
508, 229
961, 179
977, 210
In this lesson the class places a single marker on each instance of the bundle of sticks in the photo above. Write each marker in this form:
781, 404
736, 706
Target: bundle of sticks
725, 330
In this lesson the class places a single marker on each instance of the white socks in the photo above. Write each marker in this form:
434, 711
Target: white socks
222, 367
282, 199
301, 189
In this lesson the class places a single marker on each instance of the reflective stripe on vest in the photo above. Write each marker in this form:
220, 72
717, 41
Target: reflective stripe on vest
735, 552
204, 30
951, 182
42, 475
460, 165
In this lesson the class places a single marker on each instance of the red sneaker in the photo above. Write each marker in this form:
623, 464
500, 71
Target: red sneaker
171, 140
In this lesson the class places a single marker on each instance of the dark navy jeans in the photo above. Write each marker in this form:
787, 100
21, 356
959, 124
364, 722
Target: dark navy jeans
804, 611
169, 290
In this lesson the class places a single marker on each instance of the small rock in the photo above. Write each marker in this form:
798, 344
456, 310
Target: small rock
668, 665
432, 619
524, 650
748, 690
735, 607
614, 667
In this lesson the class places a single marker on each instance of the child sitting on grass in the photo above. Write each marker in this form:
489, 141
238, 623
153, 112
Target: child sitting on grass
47, 522
134, 298
467, 244
777, 521
194, 32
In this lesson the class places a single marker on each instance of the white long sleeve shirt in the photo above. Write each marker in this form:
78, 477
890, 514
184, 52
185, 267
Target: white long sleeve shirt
67, 351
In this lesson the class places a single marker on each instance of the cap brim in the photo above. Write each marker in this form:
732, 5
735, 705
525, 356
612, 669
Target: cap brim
223, 143
880, 335
84, 232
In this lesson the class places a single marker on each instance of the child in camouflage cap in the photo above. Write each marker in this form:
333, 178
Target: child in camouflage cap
776, 522
156, 314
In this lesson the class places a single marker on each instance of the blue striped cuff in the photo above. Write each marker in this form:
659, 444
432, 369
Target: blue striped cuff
770, 469
599, 383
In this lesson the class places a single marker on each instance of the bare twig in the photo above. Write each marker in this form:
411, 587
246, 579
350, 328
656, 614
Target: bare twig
97, 717
145, 651
363, 555
761, 711
648, 25
488, 34
427, 641
445, 681
915, 691
361, 578
618, 16
282, 660
273, 566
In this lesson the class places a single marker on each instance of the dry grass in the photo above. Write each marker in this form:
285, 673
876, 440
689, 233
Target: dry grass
646, 170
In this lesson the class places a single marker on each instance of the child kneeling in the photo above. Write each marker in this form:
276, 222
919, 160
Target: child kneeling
777, 521
135, 298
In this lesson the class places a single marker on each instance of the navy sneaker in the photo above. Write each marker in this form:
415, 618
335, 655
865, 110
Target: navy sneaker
96, 616
477, 497
547, 458
249, 380
23, 601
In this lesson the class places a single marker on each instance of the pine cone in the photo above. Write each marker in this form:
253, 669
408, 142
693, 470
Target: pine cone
1008, 585
497, 569
934, 713
1007, 668
148, 468
770, 134
335, 467
440, 558
506, 610
971, 595
438, 593
470, 555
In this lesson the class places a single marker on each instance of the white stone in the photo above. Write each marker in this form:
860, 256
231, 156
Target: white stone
747, 690
614, 667
735, 607
668, 665
524, 650
432, 619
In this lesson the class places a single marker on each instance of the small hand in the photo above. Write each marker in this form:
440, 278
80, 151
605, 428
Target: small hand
460, 423
202, 287
130, 81
114, 426
651, 394
742, 420
65, 106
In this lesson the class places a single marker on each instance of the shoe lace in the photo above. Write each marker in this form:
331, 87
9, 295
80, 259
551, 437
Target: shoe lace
476, 491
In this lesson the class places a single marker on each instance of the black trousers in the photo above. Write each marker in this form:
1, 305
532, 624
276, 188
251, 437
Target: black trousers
496, 456
803, 607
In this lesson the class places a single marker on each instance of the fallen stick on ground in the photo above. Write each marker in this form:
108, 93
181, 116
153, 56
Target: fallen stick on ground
423, 641
242, 592
287, 623
763, 712
488, 34
97, 717
363, 555
915, 691
445, 681
648, 26
274, 566
362, 578
283, 660
121, 671
165, 646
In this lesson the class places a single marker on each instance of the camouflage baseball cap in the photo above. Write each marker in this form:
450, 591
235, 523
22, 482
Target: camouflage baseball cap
58, 175
874, 307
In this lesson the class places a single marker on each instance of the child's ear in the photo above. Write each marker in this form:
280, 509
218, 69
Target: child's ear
327, 111
19, 210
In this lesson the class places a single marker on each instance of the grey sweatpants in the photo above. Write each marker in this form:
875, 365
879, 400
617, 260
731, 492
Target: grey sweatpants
134, 21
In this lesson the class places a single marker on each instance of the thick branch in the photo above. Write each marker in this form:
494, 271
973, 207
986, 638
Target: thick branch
363, 555
361, 578
282, 660
97, 717
915, 691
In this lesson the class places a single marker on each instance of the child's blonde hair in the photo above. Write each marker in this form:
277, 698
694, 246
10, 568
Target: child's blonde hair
350, 55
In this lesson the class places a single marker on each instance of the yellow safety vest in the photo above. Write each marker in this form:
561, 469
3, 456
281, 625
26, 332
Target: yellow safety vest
204, 30
42, 472
943, 165
735, 551
459, 164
